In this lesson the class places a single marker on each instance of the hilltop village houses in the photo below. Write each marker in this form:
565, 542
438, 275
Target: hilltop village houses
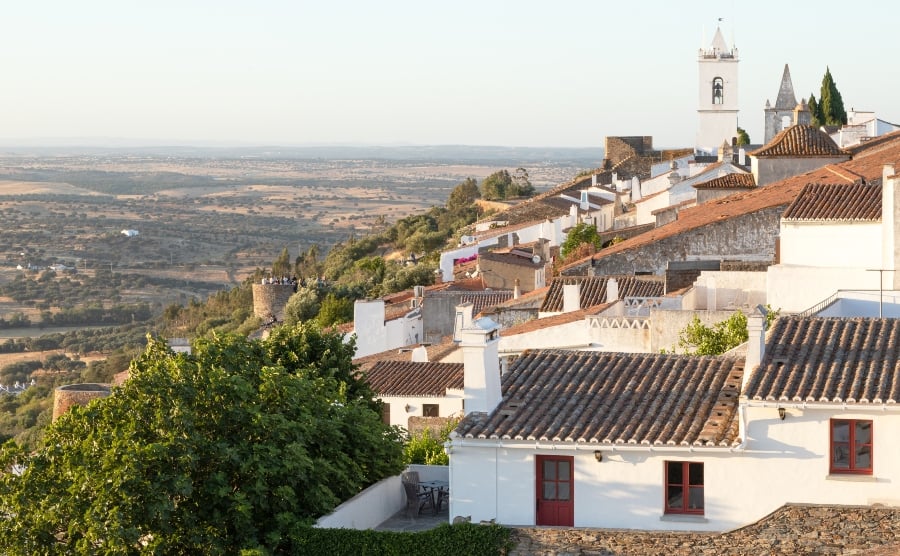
578, 406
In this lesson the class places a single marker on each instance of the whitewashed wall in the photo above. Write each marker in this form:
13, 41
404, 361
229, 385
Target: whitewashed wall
792, 289
563, 335
368, 325
785, 461
720, 290
826, 244
449, 405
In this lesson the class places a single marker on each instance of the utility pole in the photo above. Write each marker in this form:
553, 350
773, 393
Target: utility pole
880, 272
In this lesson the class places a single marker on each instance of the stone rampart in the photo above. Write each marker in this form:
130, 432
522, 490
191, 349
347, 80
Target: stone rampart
792, 529
270, 299
66, 396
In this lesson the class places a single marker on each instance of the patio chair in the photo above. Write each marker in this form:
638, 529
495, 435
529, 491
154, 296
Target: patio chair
410, 477
416, 498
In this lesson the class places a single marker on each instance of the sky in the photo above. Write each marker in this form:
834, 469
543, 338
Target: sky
333, 72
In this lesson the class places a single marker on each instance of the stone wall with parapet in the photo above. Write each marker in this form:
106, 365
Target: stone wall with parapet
66, 396
270, 299
792, 529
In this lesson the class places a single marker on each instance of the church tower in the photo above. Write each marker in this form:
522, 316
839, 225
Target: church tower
718, 101
781, 116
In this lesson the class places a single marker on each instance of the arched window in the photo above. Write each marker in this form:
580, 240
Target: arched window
717, 91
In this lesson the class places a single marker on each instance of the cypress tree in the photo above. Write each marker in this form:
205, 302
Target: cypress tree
831, 105
815, 111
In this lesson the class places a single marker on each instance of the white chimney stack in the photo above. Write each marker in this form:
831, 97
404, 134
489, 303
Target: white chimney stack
517, 290
462, 320
756, 346
481, 361
612, 290
571, 297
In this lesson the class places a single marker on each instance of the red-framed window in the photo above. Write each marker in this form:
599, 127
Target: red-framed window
684, 487
851, 446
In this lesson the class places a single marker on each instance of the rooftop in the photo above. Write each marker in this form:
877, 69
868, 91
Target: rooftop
614, 399
797, 141
856, 201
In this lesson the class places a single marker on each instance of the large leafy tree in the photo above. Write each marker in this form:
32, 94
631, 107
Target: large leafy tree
236, 446
495, 187
463, 195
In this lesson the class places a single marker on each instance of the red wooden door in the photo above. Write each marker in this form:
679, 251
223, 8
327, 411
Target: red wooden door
555, 490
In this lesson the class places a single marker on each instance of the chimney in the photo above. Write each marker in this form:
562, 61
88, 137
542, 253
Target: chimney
419, 354
612, 290
462, 320
742, 157
890, 221
756, 346
517, 291
481, 382
571, 297
593, 180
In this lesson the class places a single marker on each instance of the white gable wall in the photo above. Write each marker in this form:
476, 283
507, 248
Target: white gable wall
792, 289
831, 244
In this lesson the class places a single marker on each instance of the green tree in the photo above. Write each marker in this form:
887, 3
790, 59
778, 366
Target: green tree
830, 108
521, 185
580, 234
334, 310
302, 306
743, 138
814, 111
495, 187
427, 447
282, 265
463, 195
237, 446
699, 339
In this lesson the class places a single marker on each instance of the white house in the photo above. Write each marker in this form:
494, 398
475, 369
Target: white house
379, 327
835, 237
420, 389
650, 441
861, 126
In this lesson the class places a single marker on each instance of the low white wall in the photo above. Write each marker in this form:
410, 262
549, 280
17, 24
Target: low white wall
728, 289
369, 508
376, 504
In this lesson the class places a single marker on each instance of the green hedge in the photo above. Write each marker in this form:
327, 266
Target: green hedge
462, 539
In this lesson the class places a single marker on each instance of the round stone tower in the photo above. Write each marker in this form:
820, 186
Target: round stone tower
66, 396
270, 299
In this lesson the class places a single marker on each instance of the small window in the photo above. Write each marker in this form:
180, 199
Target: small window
386, 413
718, 90
851, 446
684, 487
430, 410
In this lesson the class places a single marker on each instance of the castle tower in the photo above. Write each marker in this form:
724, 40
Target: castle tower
781, 116
718, 101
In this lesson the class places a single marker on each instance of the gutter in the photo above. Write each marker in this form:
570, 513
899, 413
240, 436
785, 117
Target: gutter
587, 447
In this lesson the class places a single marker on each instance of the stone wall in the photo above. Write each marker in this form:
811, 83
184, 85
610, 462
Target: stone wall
270, 299
749, 237
792, 529
65, 397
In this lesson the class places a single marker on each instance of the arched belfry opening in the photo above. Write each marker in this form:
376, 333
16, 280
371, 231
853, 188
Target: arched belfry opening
718, 91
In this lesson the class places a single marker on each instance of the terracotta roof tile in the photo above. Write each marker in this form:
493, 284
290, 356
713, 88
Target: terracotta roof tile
614, 399
830, 359
799, 140
593, 289
729, 181
837, 202
435, 352
407, 378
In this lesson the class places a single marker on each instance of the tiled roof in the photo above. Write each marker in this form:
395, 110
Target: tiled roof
830, 359
480, 300
512, 258
729, 181
615, 399
435, 352
593, 289
407, 378
837, 202
800, 140
867, 163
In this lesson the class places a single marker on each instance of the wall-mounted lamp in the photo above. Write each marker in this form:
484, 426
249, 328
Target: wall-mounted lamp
598, 455
409, 408
781, 413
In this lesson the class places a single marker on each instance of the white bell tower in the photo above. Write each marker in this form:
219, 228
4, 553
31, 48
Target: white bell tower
717, 106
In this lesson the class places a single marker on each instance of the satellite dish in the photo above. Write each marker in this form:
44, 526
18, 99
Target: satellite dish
536, 259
